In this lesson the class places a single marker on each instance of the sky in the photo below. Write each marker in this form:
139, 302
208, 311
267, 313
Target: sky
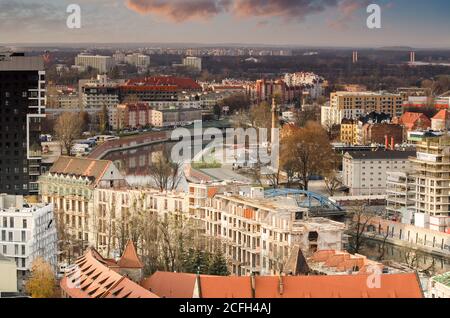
415, 23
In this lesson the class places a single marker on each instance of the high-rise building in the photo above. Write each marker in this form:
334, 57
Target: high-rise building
102, 64
22, 107
432, 174
194, 62
352, 105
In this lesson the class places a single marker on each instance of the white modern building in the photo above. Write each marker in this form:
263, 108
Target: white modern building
193, 62
364, 172
27, 232
141, 61
103, 64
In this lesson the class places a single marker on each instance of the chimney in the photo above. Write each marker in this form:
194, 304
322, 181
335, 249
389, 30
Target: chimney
253, 284
280, 285
392, 143
386, 142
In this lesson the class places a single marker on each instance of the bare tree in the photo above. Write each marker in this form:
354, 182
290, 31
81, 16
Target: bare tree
68, 128
165, 173
332, 182
359, 220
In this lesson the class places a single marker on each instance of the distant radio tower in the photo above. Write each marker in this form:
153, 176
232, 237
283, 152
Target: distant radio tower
412, 57
355, 57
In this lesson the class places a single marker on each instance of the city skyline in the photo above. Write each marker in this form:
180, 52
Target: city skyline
326, 23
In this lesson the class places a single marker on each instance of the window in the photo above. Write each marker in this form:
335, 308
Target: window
24, 223
10, 236
23, 249
11, 222
3, 235
23, 236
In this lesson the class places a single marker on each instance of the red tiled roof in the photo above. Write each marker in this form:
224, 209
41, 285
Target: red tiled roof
180, 285
129, 258
338, 286
157, 81
81, 167
442, 115
171, 285
90, 277
410, 119
225, 287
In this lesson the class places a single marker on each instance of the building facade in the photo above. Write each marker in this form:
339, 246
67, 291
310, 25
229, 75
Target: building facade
352, 105
175, 117
27, 232
69, 186
103, 64
364, 173
22, 109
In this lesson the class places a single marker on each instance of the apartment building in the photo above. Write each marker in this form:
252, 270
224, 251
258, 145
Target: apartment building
193, 62
27, 232
130, 116
159, 88
103, 64
22, 109
141, 61
112, 207
69, 186
352, 105
400, 191
175, 117
258, 234
364, 172
349, 132
431, 169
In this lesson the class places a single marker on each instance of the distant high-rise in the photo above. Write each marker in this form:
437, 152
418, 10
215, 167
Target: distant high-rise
22, 108
355, 57
103, 64
412, 57
193, 62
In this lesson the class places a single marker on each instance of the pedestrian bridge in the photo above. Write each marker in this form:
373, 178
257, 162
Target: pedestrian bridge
317, 204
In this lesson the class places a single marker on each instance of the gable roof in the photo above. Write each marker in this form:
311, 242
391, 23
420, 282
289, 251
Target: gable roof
171, 285
409, 119
129, 258
442, 115
83, 167
90, 277
338, 286
180, 285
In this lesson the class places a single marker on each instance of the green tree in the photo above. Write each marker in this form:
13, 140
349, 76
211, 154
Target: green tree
218, 265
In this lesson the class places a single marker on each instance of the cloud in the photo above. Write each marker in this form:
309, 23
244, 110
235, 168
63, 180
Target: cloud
346, 12
180, 10
292, 10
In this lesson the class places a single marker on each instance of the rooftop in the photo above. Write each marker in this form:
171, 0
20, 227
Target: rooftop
93, 276
383, 155
444, 279
22, 63
180, 285
83, 167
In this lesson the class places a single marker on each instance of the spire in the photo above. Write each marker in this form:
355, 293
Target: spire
129, 258
274, 113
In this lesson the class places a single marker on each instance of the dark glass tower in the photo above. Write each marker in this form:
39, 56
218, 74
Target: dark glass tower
22, 108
